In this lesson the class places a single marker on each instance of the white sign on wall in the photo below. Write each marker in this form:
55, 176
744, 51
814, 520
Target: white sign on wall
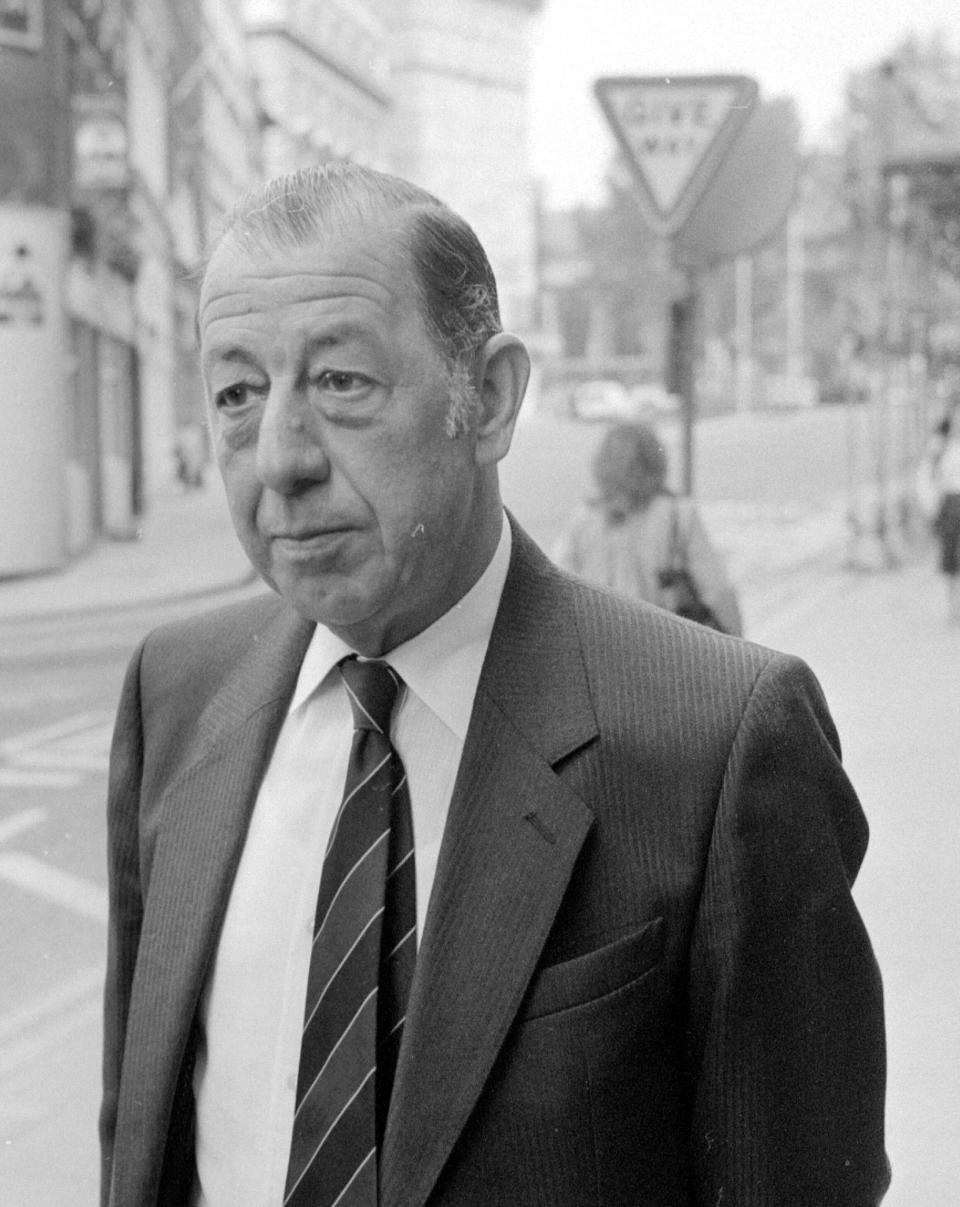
33, 250
674, 132
99, 143
21, 24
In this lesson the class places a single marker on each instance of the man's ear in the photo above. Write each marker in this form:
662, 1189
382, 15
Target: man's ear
502, 373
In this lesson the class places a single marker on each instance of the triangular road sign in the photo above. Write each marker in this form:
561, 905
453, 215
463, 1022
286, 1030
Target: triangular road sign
674, 131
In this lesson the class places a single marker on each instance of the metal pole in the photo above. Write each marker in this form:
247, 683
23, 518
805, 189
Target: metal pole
743, 285
690, 392
794, 316
680, 369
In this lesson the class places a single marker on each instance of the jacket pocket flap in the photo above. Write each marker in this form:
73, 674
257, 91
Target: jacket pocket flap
588, 977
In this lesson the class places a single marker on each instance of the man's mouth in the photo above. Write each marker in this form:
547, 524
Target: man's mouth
301, 542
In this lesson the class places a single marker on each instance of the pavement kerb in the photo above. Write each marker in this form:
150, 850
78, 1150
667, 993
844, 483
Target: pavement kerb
828, 558
183, 547
85, 611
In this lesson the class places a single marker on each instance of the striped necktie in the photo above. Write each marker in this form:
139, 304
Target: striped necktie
361, 965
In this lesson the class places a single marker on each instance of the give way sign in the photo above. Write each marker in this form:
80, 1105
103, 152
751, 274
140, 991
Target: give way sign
674, 132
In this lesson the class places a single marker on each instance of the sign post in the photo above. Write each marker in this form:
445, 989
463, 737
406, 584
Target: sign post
675, 132
684, 315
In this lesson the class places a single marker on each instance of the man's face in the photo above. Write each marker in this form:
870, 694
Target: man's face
328, 399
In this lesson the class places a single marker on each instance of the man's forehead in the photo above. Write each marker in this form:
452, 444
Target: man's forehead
376, 240
367, 258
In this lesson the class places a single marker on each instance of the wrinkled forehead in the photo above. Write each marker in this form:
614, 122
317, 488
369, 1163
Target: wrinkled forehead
262, 238
277, 302
368, 257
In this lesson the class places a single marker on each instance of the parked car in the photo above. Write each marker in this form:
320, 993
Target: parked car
653, 398
836, 390
601, 401
608, 400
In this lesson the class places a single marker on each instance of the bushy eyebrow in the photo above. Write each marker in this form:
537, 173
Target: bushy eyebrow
232, 353
342, 333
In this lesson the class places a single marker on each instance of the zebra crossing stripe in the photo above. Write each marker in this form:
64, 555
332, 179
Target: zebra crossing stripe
62, 888
19, 823
35, 777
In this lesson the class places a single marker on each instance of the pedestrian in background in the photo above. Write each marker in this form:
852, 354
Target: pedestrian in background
946, 478
638, 538
190, 452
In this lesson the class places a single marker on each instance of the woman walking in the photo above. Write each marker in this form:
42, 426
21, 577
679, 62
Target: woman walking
947, 478
640, 539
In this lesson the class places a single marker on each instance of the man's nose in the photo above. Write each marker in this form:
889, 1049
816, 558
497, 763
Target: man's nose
290, 451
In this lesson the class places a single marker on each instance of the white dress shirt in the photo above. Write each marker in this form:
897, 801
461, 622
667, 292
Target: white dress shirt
252, 1006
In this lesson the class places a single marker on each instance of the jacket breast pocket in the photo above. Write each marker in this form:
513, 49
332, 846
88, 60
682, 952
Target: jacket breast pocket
592, 976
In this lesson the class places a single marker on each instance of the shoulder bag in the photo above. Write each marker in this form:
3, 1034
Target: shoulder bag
677, 579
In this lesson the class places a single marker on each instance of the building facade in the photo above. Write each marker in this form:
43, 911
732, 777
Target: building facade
322, 69
459, 126
434, 92
131, 125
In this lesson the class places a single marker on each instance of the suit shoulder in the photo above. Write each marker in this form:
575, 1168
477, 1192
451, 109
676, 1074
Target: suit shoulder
637, 655
209, 638
247, 615
626, 642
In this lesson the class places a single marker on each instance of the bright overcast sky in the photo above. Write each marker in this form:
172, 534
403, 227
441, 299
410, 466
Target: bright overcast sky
798, 48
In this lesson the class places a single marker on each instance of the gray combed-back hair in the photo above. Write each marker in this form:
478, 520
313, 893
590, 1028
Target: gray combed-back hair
456, 282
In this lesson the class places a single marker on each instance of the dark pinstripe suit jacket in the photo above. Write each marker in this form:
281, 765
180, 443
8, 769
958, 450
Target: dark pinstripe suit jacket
643, 980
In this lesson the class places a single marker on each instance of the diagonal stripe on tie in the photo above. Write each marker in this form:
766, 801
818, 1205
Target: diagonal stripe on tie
340, 983
361, 963
340, 1148
349, 889
398, 948
333, 1068
362, 1184
367, 783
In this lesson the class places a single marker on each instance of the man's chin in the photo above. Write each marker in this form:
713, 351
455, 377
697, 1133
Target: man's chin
317, 587
327, 602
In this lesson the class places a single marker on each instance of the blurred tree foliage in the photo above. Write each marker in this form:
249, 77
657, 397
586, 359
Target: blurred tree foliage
902, 177
935, 193
630, 265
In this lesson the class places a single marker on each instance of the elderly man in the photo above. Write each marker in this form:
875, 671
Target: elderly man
438, 876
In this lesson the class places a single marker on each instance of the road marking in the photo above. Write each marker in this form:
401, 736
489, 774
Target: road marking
23, 777
59, 754
33, 1030
53, 731
61, 758
85, 984
55, 885
19, 823
49, 1035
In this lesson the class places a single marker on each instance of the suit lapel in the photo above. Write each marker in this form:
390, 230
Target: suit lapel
202, 822
511, 841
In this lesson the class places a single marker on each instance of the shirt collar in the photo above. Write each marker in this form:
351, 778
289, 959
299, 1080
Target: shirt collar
442, 664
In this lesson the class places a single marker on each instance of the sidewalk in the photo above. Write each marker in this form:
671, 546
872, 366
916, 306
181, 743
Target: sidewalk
186, 546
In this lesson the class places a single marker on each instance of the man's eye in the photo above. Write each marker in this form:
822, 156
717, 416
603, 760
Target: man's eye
342, 382
233, 396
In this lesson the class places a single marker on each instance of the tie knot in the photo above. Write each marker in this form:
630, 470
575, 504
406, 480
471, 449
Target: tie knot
372, 688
